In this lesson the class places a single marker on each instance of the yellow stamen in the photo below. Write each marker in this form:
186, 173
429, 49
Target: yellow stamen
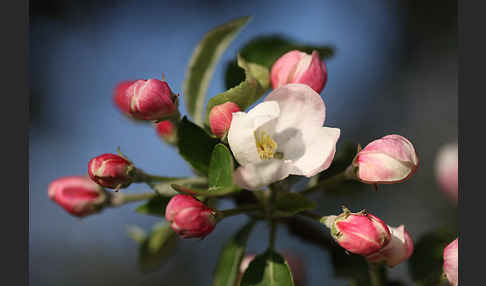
266, 146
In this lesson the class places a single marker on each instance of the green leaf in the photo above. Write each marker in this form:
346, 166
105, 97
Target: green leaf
265, 50
155, 206
195, 145
289, 204
211, 192
202, 64
425, 264
228, 267
248, 91
156, 248
221, 167
268, 269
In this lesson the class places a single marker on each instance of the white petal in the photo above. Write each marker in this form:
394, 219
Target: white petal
316, 151
241, 137
261, 174
300, 107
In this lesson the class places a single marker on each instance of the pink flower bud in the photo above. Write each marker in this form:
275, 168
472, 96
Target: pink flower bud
166, 130
391, 159
299, 67
399, 249
360, 233
110, 171
151, 100
220, 118
78, 195
451, 259
446, 170
121, 98
189, 217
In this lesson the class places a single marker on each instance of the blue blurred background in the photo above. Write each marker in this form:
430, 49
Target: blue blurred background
394, 72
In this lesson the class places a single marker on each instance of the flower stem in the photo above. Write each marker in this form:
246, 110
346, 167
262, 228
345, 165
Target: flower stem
237, 211
377, 274
331, 182
270, 208
119, 199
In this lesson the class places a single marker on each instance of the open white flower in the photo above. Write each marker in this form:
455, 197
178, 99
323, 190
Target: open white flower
282, 136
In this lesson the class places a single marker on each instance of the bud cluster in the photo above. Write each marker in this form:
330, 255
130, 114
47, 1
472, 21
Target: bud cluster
365, 234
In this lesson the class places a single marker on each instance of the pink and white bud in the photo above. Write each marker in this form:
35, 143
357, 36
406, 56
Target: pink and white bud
391, 159
78, 195
167, 131
120, 96
189, 217
299, 67
359, 233
451, 260
151, 100
447, 170
220, 118
399, 249
110, 171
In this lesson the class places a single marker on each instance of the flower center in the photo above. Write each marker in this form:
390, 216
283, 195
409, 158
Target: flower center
266, 146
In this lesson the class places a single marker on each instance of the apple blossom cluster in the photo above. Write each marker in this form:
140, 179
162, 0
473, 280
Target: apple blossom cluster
248, 155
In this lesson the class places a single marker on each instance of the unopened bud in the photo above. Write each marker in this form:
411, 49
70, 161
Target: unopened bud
299, 67
78, 195
446, 170
220, 118
167, 131
359, 233
111, 171
121, 98
451, 260
151, 100
391, 159
189, 217
399, 249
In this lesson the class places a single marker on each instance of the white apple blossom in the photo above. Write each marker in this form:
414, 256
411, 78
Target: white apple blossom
282, 136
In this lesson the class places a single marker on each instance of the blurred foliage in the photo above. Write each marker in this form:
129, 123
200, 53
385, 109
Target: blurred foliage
425, 264
264, 51
156, 247
228, 267
155, 206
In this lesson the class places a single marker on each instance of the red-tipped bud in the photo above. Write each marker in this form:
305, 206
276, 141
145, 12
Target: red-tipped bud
446, 170
78, 195
189, 217
110, 171
391, 159
220, 118
451, 260
151, 100
360, 233
121, 98
167, 131
299, 67
399, 249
